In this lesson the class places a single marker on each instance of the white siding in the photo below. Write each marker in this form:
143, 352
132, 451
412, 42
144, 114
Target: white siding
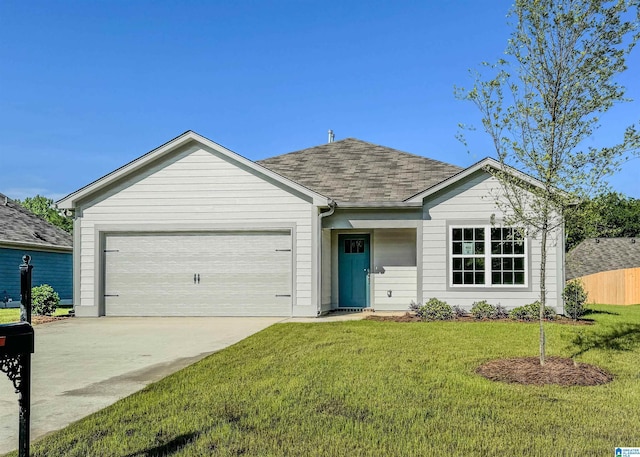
400, 283
394, 247
195, 189
472, 202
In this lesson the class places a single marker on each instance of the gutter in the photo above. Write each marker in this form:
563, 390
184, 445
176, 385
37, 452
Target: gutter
332, 208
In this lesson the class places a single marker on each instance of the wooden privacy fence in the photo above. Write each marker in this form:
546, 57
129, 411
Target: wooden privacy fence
616, 287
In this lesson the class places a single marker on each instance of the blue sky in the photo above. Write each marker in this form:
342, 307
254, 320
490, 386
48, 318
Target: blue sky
87, 86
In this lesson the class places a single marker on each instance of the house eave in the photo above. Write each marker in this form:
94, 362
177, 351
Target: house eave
8, 244
379, 205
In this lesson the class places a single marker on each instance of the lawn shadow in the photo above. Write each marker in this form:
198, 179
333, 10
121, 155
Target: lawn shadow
625, 337
168, 448
599, 311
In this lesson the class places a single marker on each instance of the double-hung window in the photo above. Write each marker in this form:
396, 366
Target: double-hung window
487, 256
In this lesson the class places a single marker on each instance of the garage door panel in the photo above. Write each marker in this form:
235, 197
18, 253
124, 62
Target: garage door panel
246, 273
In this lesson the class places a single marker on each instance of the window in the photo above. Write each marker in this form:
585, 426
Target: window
468, 255
507, 256
488, 256
353, 246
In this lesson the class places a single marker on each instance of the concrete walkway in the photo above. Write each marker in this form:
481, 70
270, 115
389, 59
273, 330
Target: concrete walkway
83, 365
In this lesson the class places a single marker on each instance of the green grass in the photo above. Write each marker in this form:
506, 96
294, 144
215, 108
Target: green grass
365, 388
8, 315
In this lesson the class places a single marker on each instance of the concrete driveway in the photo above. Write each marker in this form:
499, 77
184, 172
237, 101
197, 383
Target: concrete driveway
82, 365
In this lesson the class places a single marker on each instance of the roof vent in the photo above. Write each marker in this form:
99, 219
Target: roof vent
331, 136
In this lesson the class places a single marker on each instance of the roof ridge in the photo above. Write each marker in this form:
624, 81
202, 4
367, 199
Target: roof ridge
399, 151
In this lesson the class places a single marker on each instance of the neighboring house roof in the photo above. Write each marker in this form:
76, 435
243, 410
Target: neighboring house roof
23, 228
602, 254
352, 170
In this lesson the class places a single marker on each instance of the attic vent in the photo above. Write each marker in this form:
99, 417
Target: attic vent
331, 136
40, 237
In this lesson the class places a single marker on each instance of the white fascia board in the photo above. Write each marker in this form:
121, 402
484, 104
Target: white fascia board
479, 166
69, 202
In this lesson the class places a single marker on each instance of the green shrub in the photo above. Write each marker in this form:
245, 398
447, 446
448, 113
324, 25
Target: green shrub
433, 310
531, 312
45, 300
483, 310
575, 298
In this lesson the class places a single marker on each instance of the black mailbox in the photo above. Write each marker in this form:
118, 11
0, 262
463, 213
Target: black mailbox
16, 338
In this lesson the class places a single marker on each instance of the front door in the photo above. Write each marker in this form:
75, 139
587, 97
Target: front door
353, 268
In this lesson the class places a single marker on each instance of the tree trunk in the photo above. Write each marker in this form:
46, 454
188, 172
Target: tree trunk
543, 290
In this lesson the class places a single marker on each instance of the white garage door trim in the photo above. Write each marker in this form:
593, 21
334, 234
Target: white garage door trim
198, 273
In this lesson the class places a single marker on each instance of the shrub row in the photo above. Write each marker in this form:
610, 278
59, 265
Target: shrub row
438, 310
574, 296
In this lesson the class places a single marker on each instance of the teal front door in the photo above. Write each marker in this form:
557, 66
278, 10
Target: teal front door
353, 268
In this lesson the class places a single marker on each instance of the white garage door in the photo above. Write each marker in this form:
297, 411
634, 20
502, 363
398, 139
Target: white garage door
198, 274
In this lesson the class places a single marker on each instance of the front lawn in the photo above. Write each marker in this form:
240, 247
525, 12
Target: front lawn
8, 315
365, 388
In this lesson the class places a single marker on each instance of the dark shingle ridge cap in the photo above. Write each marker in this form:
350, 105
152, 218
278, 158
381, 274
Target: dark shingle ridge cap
24, 228
597, 255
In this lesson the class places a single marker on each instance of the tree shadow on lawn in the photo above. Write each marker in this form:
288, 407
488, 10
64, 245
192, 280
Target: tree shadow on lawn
599, 311
168, 448
624, 337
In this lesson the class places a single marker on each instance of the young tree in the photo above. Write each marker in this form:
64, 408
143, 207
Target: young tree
44, 207
543, 100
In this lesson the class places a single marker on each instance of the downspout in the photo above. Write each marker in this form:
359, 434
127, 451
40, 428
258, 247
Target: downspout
322, 215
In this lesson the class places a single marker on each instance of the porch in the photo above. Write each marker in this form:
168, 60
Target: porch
369, 269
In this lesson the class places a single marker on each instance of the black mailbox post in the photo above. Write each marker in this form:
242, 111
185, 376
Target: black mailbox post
16, 347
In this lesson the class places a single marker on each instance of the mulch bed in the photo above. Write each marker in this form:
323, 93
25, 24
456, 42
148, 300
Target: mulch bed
411, 317
35, 319
556, 370
406, 317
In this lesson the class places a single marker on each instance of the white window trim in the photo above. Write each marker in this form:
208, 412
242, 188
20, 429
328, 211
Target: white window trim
487, 259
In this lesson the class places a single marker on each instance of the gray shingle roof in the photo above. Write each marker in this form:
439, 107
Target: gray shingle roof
20, 225
605, 254
352, 170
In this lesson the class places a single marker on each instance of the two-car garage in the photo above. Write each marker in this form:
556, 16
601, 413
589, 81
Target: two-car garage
194, 229
213, 273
